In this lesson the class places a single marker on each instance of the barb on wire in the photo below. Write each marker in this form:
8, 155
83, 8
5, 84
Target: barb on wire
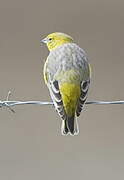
7, 103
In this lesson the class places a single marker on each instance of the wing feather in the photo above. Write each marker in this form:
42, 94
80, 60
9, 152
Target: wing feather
57, 100
83, 96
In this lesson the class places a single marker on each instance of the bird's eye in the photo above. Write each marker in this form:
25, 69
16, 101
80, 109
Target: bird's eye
50, 39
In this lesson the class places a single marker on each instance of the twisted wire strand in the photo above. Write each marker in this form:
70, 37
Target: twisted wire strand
7, 103
14, 103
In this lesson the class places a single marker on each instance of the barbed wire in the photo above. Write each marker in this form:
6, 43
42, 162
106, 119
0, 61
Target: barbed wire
9, 104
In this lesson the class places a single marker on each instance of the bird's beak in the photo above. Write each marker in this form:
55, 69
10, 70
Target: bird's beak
45, 41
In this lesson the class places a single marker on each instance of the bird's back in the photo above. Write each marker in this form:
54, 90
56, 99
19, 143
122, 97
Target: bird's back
65, 58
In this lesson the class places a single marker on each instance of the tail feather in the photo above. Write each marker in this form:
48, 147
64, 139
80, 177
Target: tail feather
70, 126
64, 128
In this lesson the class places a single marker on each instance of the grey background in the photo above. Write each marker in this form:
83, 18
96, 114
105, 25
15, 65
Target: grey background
31, 145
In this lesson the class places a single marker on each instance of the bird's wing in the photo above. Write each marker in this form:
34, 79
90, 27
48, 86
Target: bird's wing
83, 96
56, 97
54, 90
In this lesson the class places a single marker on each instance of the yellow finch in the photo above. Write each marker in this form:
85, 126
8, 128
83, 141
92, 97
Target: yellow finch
67, 75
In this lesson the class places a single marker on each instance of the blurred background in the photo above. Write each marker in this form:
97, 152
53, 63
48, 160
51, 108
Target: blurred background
31, 144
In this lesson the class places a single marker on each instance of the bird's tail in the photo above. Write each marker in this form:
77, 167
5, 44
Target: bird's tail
70, 126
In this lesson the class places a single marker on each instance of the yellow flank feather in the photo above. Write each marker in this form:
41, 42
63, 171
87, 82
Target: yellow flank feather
90, 70
45, 73
70, 94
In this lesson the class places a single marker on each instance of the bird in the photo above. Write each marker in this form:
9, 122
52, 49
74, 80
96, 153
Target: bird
67, 75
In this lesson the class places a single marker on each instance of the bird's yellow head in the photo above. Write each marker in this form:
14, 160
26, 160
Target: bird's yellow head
56, 39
